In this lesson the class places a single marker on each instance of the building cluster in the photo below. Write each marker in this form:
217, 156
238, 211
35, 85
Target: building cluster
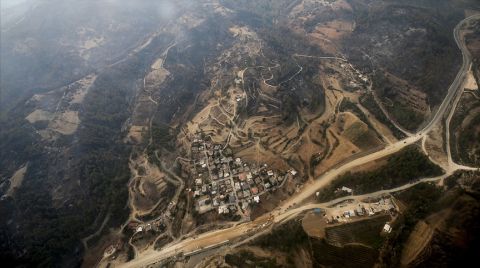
384, 205
354, 82
156, 226
227, 184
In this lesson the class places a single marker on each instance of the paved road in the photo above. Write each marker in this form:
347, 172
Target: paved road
254, 228
284, 212
364, 196
458, 83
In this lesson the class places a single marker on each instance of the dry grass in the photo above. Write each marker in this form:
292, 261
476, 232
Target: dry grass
135, 134
85, 83
421, 236
39, 115
146, 189
314, 225
16, 180
256, 154
149, 189
418, 240
156, 77
335, 29
470, 82
434, 145
65, 123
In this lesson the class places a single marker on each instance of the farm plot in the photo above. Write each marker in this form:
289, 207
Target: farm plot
348, 256
366, 232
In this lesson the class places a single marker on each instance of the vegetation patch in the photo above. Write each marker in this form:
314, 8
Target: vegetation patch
162, 137
246, 258
290, 239
325, 254
284, 238
368, 102
401, 168
456, 236
406, 116
348, 105
465, 134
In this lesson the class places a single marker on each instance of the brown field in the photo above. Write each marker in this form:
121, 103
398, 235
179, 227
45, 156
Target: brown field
334, 30
56, 108
434, 145
344, 147
417, 241
16, 180
147, 190
135, 134
84, 85
314, 225
39, 115
421, 236
65, 123
256, 154
470, 83
381, 128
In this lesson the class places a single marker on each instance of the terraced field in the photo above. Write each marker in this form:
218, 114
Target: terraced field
348, 256
366, 232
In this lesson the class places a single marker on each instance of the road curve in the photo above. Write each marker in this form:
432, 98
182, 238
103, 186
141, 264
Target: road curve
467, 65
456, 85
152, 256
279, 216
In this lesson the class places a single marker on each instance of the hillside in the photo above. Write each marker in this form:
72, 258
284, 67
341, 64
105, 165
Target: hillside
129, 128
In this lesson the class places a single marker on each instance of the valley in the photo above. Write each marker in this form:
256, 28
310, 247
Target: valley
206, 133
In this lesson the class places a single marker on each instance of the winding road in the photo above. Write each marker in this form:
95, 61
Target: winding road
288, 208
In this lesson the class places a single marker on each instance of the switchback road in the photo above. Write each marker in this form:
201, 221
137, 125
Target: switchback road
285, 211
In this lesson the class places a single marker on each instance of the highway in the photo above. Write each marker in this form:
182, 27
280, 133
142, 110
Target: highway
287, 209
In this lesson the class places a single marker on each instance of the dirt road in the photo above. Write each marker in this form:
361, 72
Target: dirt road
285, 211
256, 227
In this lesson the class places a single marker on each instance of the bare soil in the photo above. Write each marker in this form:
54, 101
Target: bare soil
16, 180
39, 115
470, 83
314, 225
418, 240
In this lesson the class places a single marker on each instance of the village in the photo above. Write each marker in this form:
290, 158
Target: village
226, 184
